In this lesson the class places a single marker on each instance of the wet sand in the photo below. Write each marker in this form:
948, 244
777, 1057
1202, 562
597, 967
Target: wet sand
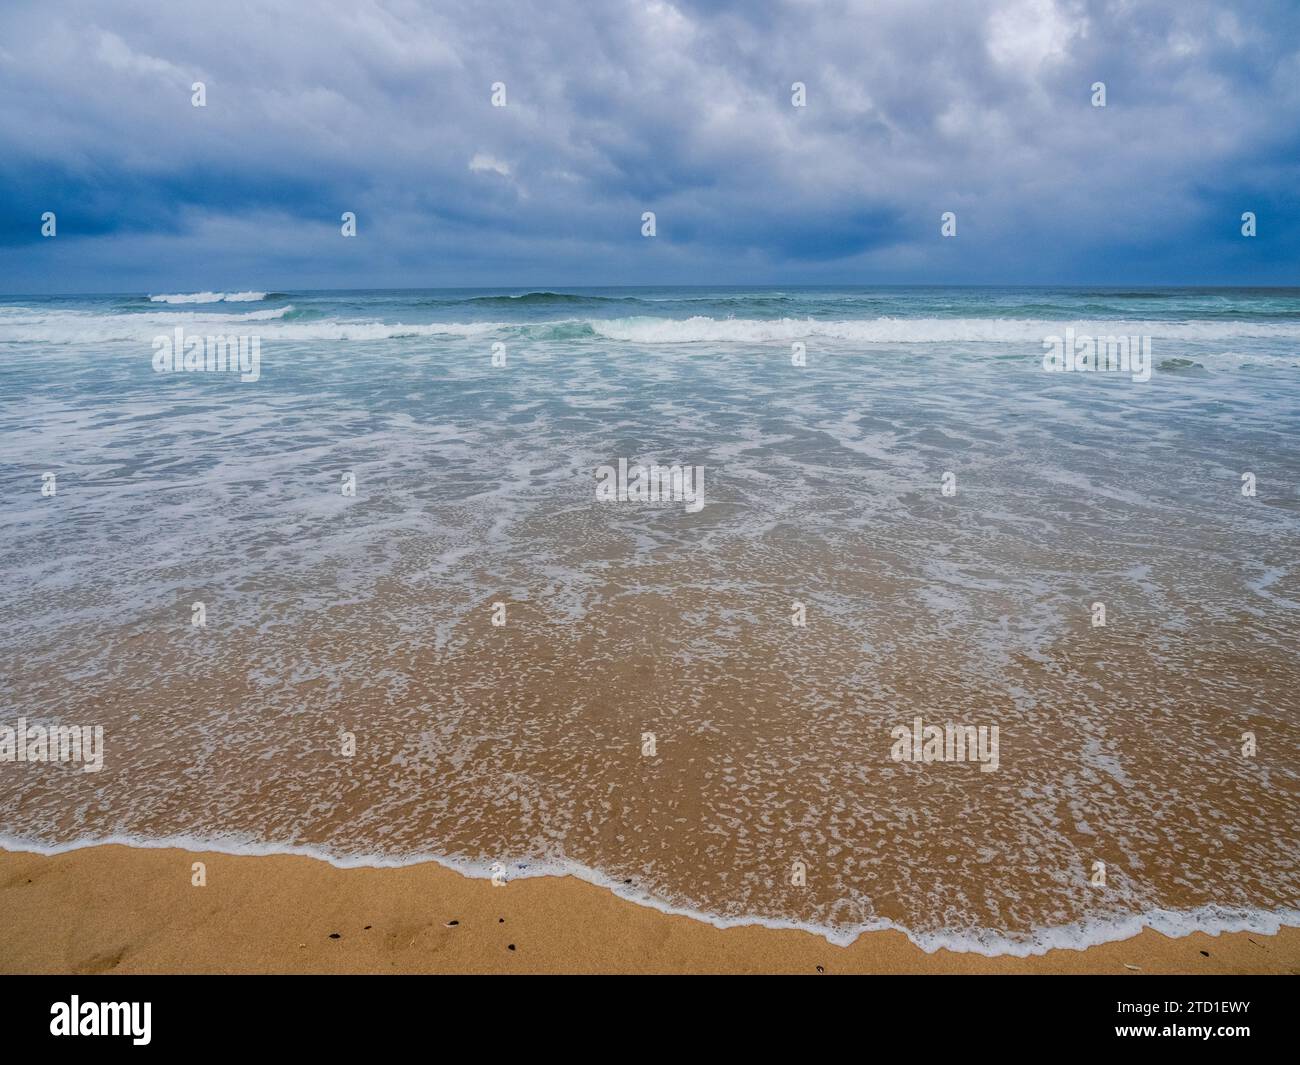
125, 910
773, 745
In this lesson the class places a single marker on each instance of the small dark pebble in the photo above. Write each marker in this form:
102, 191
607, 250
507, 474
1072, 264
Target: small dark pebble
335, 935
501, 920
511, 947
820, 969
368, 928
1205, 954
452, 924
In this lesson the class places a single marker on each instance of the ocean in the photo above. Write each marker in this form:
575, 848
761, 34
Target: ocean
341, 582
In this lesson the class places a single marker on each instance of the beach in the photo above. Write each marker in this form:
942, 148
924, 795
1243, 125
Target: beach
855, 613
115, 909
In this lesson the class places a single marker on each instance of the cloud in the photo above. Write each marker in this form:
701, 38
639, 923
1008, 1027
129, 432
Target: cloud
914, 107
1026, 35
485, 163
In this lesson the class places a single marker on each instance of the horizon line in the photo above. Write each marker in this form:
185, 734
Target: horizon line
528, 289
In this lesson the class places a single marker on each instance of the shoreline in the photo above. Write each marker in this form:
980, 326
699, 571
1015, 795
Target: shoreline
130, 909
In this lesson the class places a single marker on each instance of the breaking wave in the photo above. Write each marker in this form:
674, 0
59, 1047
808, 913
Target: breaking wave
700, 329
209, 297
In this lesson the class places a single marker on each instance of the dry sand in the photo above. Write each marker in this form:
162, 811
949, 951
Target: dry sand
127, 910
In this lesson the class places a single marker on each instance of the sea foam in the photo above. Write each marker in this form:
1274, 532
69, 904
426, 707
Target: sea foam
698, 329
1213, 920
209, 297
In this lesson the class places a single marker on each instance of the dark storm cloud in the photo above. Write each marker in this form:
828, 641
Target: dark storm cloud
914, 108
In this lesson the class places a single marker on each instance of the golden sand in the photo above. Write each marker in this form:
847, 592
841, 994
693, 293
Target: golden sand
126, 910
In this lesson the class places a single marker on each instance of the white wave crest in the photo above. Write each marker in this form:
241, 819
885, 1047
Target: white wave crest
76, 327
70, 327
332, 329
210, 297
73, 327
647, 330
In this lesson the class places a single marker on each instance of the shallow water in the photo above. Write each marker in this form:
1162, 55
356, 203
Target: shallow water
522, 744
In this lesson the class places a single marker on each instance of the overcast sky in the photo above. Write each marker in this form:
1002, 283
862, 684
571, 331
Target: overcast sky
914, 108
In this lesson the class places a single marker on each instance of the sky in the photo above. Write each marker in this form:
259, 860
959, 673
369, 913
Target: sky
385, 109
